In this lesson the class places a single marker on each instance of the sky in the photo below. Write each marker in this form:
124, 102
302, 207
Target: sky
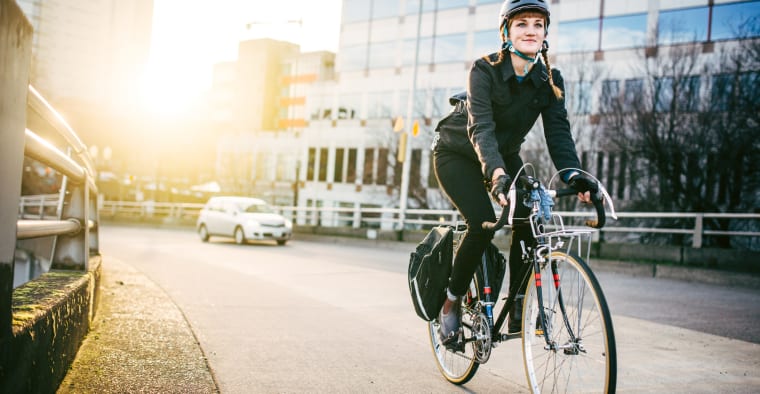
190, 36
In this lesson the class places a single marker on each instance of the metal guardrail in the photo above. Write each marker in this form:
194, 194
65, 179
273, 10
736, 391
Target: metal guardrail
386, 218
61, 227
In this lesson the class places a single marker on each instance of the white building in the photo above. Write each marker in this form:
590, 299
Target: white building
348, 146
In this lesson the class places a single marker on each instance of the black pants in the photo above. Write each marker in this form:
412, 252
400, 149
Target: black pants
462, 180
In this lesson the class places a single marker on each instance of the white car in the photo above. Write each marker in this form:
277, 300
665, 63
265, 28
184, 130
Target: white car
244, 219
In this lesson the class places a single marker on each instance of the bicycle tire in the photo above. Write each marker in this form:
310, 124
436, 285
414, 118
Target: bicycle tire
588, 364
458, 367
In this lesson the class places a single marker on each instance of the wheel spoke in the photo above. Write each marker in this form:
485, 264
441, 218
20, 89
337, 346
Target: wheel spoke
579, 329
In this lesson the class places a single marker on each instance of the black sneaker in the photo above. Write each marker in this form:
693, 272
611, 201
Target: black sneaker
514, 326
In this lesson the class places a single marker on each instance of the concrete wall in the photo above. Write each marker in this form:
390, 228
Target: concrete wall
51, 317
15, 61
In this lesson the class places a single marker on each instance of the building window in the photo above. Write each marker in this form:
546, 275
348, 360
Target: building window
356, 10
338, 173
382, 9
323, 164
486, 42
353, 58
425, 55
382, 166
415, 179
369, 162
684, 25
351, 170
578, 36
446, 4
735, 20
448, 48
628, 31
382, 55
413, 6
348, 107
579, 97
312, 162
688, 96
379, 105
722, 92
634, 88
610, 95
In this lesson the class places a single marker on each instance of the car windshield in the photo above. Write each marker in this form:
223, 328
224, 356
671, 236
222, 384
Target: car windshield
256, 208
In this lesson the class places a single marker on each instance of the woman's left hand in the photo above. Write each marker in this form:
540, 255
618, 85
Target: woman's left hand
585, 197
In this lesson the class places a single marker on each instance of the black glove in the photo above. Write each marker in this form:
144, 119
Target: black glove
583, 183
500, 186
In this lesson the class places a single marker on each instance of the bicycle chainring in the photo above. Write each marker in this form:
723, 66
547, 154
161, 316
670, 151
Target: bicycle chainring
481, 333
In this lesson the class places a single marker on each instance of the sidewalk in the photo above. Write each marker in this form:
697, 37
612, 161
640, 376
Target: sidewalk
139, 342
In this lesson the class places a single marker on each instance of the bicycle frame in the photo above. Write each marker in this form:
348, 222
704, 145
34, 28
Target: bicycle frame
547, 242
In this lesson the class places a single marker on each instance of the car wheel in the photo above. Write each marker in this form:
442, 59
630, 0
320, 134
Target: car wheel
281, 242
203, 233
239, 236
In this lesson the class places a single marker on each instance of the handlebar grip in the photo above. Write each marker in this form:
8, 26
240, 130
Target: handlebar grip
601, 217
499, 223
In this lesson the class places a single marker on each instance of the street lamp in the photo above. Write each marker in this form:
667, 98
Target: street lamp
404, 193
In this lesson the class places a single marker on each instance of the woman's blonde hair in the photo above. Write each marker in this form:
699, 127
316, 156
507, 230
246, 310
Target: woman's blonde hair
545, 57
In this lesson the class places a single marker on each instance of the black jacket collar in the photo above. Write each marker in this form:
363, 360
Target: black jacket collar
537, 74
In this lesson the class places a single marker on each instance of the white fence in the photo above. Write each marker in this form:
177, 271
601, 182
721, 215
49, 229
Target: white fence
638, 223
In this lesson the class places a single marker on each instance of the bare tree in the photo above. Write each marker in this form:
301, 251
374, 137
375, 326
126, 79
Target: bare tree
692, 129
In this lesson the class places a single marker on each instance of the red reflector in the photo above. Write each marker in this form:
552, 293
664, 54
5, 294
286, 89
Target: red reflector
487, 290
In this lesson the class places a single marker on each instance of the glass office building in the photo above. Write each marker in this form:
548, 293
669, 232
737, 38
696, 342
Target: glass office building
404, 58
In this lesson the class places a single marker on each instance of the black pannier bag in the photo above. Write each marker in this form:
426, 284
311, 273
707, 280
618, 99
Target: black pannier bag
496, 265
429, 270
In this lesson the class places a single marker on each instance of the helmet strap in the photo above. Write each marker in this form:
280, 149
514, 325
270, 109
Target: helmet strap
531, 60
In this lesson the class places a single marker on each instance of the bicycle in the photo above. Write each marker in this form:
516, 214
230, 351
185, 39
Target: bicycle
568, 340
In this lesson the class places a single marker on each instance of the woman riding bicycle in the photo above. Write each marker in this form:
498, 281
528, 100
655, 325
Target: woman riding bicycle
506, 92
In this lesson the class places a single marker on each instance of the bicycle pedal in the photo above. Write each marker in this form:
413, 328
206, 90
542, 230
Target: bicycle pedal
505, 337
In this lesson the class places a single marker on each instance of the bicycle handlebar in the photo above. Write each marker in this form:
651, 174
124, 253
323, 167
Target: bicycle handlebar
506, 214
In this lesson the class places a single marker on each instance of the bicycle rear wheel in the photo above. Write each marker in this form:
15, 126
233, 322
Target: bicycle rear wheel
458, 366
581, 354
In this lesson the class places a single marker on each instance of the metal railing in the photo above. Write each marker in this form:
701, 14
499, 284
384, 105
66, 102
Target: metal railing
58, 229
631, 223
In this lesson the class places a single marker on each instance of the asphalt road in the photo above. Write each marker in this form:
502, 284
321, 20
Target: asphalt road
317, 316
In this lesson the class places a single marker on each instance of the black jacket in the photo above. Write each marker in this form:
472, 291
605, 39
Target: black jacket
502, 111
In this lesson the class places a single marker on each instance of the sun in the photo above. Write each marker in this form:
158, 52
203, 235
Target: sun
167, 91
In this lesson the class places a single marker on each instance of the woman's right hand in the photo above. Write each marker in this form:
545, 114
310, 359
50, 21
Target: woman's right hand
500, 187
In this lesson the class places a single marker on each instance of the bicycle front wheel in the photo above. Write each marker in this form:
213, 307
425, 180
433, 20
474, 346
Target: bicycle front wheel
575, 350
458, 366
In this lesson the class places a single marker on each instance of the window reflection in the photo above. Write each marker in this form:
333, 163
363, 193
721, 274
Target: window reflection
634, 89
353, 58
425, 56
684, 25
486, 42
736, 20
446, 4
412, 6
379, 105
450, 48
355, 11
579, 97
628, 31
578, 36
383, 9
610, 95
382, 55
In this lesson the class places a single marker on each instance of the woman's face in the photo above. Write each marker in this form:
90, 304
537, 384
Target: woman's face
527, 32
